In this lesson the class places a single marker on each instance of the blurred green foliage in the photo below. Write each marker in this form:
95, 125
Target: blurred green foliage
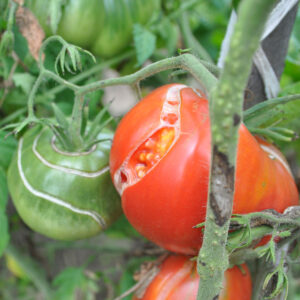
111, 272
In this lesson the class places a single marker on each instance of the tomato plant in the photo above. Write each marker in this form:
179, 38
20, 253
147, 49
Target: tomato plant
160, 160
103, 26
178, 279
63, 195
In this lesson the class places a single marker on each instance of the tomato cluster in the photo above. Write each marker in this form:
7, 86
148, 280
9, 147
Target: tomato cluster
160, 161
103, 26
178, 279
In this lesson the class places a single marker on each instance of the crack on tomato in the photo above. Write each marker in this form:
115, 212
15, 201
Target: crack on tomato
274, 155
145, 156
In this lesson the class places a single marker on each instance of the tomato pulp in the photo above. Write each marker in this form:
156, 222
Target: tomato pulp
160, 161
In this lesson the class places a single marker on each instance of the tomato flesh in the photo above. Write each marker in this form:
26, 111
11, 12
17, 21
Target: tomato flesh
146, 156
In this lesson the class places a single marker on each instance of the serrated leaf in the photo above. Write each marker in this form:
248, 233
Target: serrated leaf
70, 280
144, 42
24, 80
67, 282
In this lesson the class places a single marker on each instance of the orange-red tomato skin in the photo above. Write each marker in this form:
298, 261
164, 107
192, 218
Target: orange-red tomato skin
177, 279
170, 199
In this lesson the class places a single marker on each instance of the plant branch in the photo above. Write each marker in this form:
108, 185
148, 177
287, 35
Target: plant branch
76, 121
191, 41
226, 116
186, 61
93, 70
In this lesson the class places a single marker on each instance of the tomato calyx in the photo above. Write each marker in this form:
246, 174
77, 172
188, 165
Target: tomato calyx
151, 151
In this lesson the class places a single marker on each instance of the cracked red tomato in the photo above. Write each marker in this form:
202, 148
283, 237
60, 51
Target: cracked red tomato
160, 160
177, 279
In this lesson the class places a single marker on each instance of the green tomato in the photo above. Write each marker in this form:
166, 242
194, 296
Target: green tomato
120, 16
41, 11
65, 196
116, 33
86, 20
104, 26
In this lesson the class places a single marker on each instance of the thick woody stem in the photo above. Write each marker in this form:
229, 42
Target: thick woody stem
226, 115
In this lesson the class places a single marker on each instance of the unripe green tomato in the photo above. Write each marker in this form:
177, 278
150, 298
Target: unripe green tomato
104, 26
40, 9
119, 18
116, 32
65, 196
87, 19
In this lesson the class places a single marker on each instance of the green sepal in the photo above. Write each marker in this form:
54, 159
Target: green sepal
270, 112
60, 118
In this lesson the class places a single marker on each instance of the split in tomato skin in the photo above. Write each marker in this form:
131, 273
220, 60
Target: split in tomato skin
169, 199
178, 279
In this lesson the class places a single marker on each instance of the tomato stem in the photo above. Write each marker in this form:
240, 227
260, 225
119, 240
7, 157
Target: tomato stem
191, 41
226, 115
186, 61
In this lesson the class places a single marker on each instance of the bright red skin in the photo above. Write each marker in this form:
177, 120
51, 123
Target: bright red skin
178, 279
171, 198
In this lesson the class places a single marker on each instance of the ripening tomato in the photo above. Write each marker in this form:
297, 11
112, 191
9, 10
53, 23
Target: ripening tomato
178, 279
160, 161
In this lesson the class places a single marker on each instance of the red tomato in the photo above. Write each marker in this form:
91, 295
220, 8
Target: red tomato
160, 160
178, 279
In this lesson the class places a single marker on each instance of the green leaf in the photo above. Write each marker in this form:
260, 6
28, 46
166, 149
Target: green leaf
144, 42
20, 44
70, 280
6, 43
24, 80
8, 146
122, 229
170, 33
4, 233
